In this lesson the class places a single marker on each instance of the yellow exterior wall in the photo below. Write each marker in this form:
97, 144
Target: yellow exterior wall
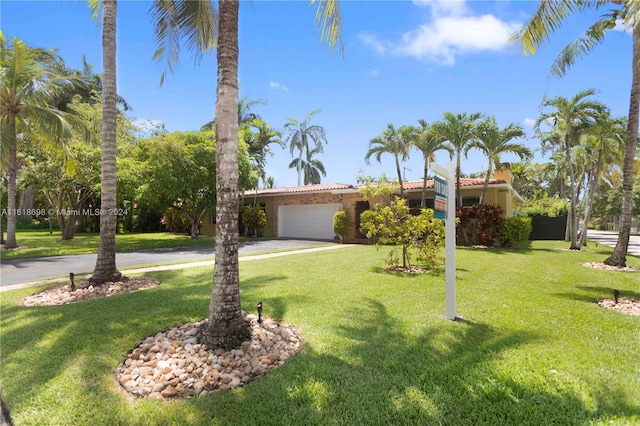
348, 199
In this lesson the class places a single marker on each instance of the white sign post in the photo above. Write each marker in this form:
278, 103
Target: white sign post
448, 173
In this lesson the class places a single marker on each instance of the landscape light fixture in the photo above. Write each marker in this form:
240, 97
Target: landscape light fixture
259, 312
616, 294
71, 277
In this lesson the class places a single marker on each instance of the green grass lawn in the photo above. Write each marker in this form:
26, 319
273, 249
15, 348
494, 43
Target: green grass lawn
41, 243
533, 348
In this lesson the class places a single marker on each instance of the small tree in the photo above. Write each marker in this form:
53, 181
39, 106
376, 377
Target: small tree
341, 223
392, 223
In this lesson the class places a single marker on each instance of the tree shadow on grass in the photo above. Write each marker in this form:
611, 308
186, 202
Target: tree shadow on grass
41, 344
593, 294
441, 375
370, 371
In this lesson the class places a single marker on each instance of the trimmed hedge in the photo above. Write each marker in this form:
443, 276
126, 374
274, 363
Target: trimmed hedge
514, 230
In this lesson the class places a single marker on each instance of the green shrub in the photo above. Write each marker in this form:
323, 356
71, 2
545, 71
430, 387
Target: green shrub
514, 230
254, 220
479, 224
341, 222
41, 222
550, 207
175, 221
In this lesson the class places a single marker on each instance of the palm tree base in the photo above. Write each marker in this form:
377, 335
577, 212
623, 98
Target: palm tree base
106, 278
616, 260
230, 337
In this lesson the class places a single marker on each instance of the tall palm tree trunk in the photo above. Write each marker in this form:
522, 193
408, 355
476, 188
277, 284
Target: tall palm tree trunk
11, 185
105, 269
573, 231
619, 258
423, 195
593, 185
399, 172
486, 183
227, 325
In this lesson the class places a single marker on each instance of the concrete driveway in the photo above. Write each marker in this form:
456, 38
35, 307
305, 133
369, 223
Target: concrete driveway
610, 238
20, 271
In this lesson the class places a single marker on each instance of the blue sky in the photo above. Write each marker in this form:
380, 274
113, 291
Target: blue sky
403, 61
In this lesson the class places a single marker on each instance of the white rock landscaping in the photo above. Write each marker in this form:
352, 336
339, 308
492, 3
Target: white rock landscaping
172, 364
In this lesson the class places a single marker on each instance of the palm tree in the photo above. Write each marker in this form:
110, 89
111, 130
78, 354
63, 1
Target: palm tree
311, 168
260, 141
245, 113
299, 133
227, 326
30, 79
397, 142
570, 117
607, 136
427, 143
459, 130
548, 18
105, 269
494, 142
259, 146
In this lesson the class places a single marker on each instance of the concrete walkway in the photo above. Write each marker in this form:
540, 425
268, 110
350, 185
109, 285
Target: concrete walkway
23, 273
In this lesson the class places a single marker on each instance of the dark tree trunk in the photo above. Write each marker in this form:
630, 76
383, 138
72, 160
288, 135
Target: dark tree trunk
227, 325
619, 256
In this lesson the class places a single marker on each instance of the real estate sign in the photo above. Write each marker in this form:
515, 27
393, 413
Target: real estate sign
440, 201
444, 189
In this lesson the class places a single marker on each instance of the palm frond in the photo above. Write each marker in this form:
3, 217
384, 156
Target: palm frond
550, 16
578, 48
195, 22
329, 23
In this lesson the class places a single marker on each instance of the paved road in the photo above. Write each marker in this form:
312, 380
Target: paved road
609, 238
29, 270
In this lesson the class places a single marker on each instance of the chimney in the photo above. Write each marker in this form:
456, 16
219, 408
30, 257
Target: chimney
504, 173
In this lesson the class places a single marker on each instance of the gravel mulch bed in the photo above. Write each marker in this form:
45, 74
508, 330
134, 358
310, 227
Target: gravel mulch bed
173, 364
63, 295
600, 265
625, 306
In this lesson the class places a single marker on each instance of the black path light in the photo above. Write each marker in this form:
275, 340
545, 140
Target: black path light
259, 312
71, 277
616, 294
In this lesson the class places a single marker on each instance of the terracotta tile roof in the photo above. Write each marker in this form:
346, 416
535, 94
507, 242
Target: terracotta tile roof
408, 186
301, 189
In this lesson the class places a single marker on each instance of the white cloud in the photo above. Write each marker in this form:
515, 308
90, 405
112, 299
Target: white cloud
275, 85
452, 31
620, 26
444, 8
446, 37
371, 41
529, 122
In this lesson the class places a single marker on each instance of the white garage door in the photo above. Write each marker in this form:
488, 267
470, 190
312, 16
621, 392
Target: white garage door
307, 221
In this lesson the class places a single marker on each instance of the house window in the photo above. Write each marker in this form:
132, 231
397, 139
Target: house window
470, 201
414, 205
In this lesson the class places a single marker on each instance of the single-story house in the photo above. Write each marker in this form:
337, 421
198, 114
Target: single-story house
307, 212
